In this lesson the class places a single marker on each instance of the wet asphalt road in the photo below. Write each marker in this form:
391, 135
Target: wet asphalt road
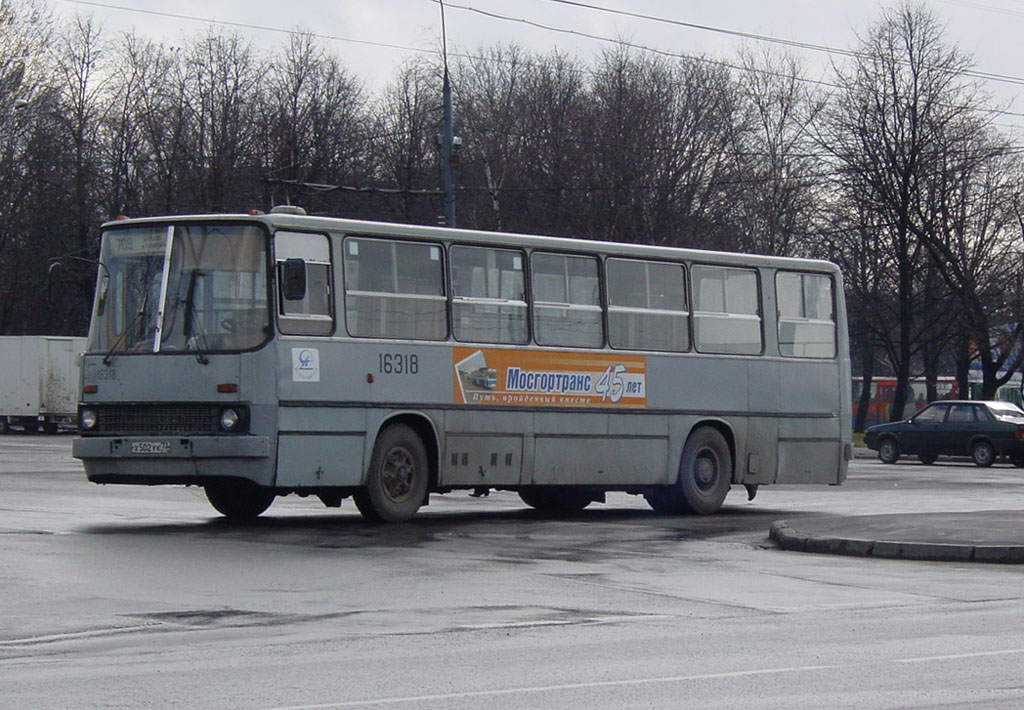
131, 597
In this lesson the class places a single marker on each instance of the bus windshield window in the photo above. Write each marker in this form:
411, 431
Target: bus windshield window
207, 281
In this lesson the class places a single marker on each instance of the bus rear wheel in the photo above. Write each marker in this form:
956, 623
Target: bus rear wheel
237, 499
396, 483
705, 475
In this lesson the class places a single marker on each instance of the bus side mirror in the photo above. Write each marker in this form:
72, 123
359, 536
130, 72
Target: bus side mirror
293, 279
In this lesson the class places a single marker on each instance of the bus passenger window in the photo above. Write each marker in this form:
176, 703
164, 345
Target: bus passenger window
567, 307
394, 289
488, 295
726, 313
806, 319
647, 307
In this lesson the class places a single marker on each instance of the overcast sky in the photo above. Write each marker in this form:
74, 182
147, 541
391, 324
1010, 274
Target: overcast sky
992, 31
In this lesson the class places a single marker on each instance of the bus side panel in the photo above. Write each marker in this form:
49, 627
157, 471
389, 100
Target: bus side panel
482, 460
707, 385
810, 436
313, 461
758, 465
485, 447
602, 449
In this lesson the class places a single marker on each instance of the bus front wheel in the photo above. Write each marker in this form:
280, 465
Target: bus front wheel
556, 499
396, 483
705, 475
238, 499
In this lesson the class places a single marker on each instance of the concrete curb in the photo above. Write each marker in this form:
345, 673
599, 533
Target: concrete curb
788, 538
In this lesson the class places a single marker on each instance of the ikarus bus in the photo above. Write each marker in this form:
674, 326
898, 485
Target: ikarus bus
264, 355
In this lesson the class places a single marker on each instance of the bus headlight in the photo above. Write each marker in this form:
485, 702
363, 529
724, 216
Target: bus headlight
88, 419
229, 419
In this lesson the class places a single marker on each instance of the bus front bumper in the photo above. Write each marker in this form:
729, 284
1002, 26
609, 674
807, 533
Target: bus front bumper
173, 459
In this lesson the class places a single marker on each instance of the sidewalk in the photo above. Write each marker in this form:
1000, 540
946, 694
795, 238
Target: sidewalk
983, 536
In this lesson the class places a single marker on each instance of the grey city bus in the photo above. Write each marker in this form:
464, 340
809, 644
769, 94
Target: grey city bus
270, 354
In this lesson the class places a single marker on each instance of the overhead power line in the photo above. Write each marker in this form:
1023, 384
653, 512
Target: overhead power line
678, 55
976, 73
244, 25
406, 48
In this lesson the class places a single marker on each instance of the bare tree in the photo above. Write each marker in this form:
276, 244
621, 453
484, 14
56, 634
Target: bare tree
404, 146
967, 220
777, 209
313, 122
222, 82
884, 129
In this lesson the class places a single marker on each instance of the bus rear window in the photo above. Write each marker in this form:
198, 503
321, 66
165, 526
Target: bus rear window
806, 321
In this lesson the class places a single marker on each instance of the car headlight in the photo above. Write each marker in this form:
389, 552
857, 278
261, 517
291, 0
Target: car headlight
229, 419
88, 419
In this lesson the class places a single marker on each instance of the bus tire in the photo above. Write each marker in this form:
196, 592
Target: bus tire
238, 499
665, 500
705, 475
396, 483
556, 499
705, 471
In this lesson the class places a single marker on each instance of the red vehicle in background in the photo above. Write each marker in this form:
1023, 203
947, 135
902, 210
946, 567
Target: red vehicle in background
883, 391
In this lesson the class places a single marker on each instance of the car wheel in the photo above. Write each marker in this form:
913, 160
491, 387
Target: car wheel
927, 459
983, 454
888, 450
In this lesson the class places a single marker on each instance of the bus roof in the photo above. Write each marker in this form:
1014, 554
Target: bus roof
413, 231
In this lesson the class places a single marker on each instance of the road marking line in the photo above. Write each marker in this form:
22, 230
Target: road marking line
550, 688
75, 635
620, 683
956, 656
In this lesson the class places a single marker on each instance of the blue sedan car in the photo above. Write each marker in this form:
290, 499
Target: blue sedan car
982, 430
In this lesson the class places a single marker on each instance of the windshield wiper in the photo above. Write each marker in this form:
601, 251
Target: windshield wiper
192, 318
118, 344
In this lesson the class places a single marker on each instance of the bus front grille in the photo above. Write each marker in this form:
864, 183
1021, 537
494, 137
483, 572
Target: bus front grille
161, 419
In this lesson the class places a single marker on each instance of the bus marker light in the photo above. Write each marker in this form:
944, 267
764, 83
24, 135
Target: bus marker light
90, 389
227, 387
369, 377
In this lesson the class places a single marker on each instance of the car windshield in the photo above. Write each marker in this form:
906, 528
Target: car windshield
185, 287
1006, 410
932, 413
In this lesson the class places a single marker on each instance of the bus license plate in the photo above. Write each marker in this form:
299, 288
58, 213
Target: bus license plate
151, 447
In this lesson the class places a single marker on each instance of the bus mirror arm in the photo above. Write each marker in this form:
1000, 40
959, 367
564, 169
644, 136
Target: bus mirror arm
56, 266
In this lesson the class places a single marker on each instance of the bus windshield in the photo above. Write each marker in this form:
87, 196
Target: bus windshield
186, 287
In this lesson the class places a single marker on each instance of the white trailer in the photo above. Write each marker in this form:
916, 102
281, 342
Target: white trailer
39, 381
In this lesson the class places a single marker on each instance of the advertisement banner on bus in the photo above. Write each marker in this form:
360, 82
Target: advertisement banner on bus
541, 378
